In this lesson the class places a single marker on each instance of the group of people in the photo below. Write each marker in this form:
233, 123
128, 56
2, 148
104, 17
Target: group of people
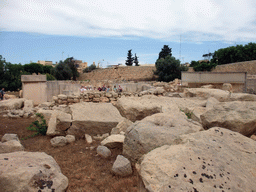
103, 88
119, 89
83, 89
2, 94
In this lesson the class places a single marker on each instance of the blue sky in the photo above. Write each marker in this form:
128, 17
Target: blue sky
104, 31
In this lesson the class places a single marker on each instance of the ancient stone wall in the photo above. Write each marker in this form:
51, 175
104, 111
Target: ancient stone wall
128, 73
246, 66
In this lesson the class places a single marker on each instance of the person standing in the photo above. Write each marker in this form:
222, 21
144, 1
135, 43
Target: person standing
2, 94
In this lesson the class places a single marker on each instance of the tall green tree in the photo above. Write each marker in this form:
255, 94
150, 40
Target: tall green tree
136, 61
165, 52
168, 69
71, 63
130, 59
62, 71
202, 66
47, 69
34, 68
66, 70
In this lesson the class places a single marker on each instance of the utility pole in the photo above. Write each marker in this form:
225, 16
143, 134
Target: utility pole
180, 47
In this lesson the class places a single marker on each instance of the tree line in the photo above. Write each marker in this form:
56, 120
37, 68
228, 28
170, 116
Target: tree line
10, 74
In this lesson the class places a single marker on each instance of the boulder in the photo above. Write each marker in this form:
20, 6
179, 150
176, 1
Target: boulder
11, 104
7, 96
94, 118
242, 97
218, 94
214, 160
103, 151
239, 116
30, 171
137, 108
195, 113
70, 138
11, 146
9, 137
28, 106
155, 131
122, 166
62, 97
88, 138
59, 141
113, 141
227, 87
121, 126
159, 91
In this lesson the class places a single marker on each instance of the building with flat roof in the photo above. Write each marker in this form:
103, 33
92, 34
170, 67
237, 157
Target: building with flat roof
49, 63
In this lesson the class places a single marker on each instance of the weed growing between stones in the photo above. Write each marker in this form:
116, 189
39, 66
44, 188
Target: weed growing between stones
39, 126
188, 114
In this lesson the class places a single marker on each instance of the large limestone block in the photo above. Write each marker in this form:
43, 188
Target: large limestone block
30, 171
11, 104
155, 131
9, 137
218, 94
242, 97
214, 160
11, 146
137, 108
94, 118
239, 116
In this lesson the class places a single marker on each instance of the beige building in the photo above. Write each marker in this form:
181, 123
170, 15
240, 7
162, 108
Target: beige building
80, 65
49, 63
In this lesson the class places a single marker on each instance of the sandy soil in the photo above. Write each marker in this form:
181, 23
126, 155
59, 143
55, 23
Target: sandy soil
85, 170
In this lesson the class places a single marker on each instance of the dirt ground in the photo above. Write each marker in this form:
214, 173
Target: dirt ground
85, 170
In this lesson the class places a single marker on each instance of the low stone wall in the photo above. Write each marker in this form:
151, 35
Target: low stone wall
55, 88
97, 97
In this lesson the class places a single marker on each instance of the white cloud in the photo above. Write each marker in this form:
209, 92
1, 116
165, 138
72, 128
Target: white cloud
198, 20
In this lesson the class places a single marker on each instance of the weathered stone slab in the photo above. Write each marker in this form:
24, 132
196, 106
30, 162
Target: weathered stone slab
11, 104
30, 171
214, 160
155, 131
203, 93
239, 116
94, 118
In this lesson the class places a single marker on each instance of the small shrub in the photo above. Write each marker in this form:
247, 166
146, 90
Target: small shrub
90, 68
39, 126
188, 114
